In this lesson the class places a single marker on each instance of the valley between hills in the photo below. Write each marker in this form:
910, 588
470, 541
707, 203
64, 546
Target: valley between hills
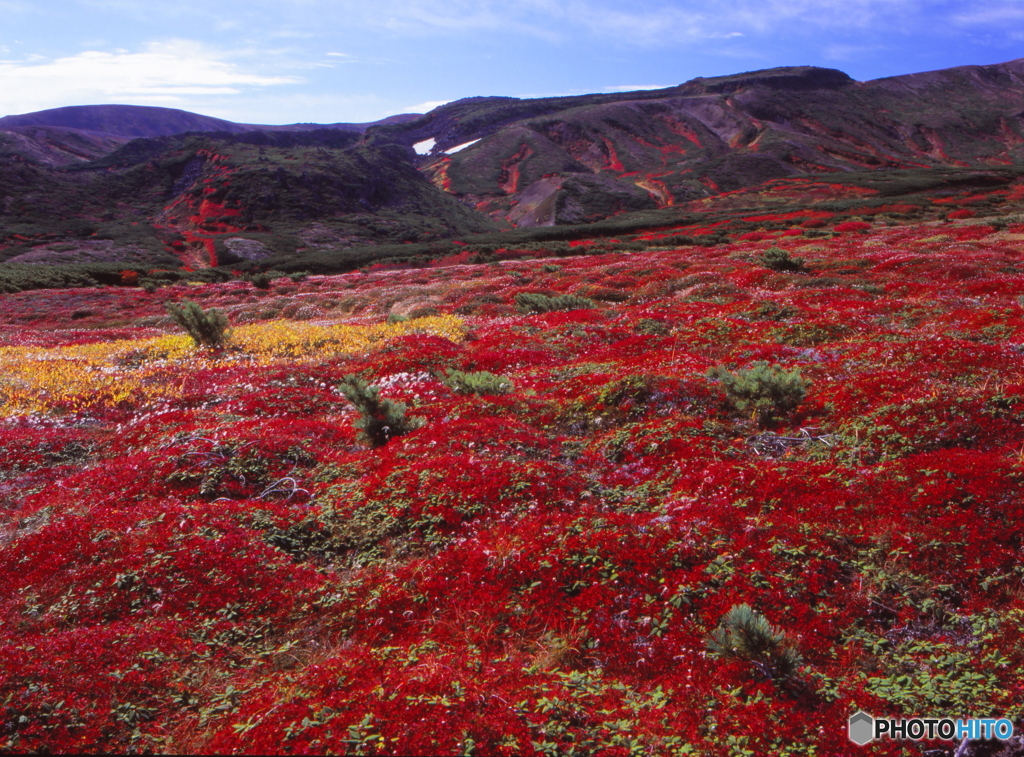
675, 422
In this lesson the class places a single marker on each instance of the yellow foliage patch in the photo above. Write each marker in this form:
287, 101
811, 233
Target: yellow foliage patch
80, 377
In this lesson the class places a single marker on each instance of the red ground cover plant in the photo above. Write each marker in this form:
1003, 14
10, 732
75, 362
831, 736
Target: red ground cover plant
536, 570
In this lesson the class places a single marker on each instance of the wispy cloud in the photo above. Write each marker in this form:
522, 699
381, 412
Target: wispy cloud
551, 20
991, 13
165, 72
425, 107
661, 22
397, 51
635, 87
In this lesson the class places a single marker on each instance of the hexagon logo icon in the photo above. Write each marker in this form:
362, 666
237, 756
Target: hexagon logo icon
861, 728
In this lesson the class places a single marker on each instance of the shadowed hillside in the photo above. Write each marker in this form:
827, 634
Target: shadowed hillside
63, 136
121, 184
568, 160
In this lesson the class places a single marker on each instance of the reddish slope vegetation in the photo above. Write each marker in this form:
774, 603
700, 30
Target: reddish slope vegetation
199, 554
592, 156
300, 191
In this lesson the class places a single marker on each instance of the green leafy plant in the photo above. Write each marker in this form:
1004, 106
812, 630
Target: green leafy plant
535, 302
261, 280
652, 327
763, 390
480, 382
208, 328
778, 259
381, 420
745, 634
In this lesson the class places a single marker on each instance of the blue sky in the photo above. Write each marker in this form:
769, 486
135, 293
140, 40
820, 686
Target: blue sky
286, 61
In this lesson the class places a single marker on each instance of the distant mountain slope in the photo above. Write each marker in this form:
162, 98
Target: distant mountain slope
121, 120
121, 182
149, 121
58, 145
567, 160
187, 195
63, 136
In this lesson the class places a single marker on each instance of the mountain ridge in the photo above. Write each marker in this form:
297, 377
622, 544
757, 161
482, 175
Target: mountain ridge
152, 121
724, 133
63, 136
520, 163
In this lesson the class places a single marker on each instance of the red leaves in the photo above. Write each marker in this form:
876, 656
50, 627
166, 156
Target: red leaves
82, 687
754, 236
229, 571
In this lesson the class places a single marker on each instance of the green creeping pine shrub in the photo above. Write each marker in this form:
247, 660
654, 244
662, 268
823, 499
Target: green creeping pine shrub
745, 634
651, 327
481, 382
764, 390
261, 280
380, 420
534, 302
778, 259
207, 328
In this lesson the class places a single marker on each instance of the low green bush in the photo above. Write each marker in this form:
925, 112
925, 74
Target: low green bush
480, 382
744, 634
208, 328
652, 327
675, 240
18, 277
261, 280
381, 420
535, 302
777, 259
764, 391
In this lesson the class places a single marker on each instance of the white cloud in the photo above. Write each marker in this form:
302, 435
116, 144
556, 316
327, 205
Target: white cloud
636, 87
659, 23
169, 71
425, 107
655, 22
993, 13
459, 16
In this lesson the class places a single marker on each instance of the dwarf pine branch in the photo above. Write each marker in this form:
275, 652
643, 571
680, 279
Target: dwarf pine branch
777, 259
535, 302
745, 634
763, 390
208, 328
380, 420
480, 382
